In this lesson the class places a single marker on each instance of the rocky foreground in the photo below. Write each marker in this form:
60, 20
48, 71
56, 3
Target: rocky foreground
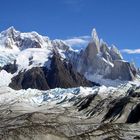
97, 113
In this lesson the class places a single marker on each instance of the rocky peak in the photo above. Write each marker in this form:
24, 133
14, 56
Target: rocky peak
95, 37
115, 53
13, 39
93, 47
10, 32
103, 61
60, 44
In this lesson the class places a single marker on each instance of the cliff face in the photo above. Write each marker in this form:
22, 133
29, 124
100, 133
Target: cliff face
123, 71
60, 74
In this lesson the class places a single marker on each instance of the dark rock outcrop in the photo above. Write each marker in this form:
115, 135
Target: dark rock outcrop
10, 68
117, 108
61, 74
134, 116
33, 78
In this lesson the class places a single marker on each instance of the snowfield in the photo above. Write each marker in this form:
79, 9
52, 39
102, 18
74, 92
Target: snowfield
55, 96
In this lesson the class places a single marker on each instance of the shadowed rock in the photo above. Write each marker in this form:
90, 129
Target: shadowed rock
33, 78
10, 68
134, 116
116, 108
86, 102
61, 74
122, 70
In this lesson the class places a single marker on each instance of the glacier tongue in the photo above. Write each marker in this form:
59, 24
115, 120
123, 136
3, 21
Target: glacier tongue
36, 97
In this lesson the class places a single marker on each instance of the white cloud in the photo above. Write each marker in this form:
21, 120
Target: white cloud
78, 42
131, 51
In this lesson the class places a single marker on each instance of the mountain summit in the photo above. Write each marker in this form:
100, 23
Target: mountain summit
100, 61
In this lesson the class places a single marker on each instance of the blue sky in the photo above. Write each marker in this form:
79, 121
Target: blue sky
116, 21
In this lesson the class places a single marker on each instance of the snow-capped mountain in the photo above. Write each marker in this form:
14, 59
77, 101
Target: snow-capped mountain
45, 92
25, 55
100, 61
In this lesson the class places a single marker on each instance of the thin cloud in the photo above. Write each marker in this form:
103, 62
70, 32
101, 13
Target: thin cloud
78, 42
131, 51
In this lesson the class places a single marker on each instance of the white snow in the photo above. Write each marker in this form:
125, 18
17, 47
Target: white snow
106, 82
36, 97
28, 55
95, 36
7, 56
33, 57
5, 78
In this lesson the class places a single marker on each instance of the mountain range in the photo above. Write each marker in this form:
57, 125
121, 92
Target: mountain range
35, 61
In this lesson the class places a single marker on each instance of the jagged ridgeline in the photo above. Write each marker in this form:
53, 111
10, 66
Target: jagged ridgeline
34, 61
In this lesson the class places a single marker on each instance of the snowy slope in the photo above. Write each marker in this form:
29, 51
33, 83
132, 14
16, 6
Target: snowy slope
55, 96
36, 97
25, 47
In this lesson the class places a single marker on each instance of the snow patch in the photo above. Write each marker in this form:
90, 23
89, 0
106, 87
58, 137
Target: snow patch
5, 78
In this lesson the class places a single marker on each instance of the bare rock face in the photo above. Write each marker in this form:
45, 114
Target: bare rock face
61, 74
10, 68
91, 51
122, 70
33, 78
115, 54
89, 59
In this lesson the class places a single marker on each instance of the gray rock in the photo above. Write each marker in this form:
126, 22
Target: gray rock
121, 70
115, 53
98, 58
